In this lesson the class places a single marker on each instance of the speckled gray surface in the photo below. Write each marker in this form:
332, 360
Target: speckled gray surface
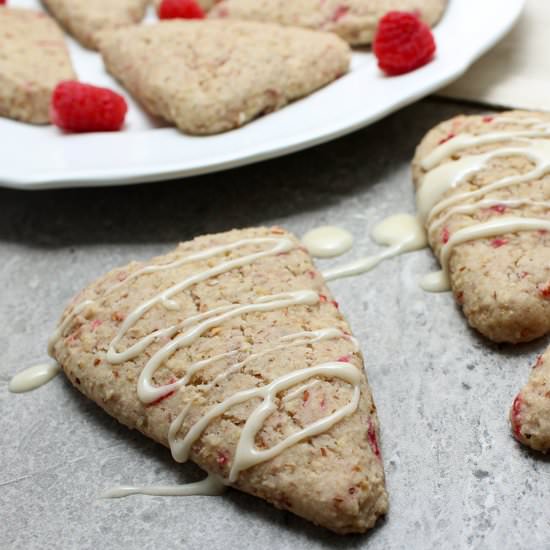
456, 477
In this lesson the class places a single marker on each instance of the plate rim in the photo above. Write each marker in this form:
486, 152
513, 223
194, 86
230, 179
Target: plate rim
134, 174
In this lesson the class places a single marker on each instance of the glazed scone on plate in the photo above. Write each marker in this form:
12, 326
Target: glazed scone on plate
483, 191
211, 76
530, 413
85, 18
353, 20
33, 60
231, 351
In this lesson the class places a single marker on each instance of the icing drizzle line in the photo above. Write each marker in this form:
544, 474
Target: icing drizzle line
442, 176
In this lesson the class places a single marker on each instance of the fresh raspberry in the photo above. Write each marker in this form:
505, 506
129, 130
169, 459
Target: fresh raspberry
180, 9
402, 43
80, 107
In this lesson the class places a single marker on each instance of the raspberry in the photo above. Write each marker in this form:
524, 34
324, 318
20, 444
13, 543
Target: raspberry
80, 107
402, 43
180, 9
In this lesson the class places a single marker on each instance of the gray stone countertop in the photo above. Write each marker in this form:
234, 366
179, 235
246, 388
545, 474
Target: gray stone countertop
456, 477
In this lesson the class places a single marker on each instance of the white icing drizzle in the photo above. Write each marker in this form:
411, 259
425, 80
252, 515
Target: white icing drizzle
280, 245
447, 176
246, 454
33, 377
211, 485
327, 241
149, 393
440, 178
401, 233
164, 297
189, 330
491, 228
438, 281
487, 204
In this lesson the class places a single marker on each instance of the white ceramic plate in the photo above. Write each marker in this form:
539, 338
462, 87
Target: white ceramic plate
42, 157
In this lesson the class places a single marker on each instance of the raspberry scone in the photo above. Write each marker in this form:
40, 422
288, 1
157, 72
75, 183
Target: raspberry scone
231, 351
353, 20
530, 413
84, 19
33, 61
211, 76
483, 192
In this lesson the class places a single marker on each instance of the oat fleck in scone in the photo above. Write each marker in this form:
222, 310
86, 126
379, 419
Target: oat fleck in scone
483, 187
33, 60
85, 18
530, 413
127, 340
211, 76
353, 20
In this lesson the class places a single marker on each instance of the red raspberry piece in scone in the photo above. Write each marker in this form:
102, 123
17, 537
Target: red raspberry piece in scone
84, 19
530, 412
211, 76
353, 20
484, 195
78, 107
34, 59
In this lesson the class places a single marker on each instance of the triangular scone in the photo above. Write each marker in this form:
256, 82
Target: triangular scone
33, 60
211, 76
483, 189
353, 20
226, 314
530, 413
85, 18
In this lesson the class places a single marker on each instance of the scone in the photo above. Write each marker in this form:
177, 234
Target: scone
33, 60
353, 20
211, 76
530, 413
483, 191
85, 18
231, 351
